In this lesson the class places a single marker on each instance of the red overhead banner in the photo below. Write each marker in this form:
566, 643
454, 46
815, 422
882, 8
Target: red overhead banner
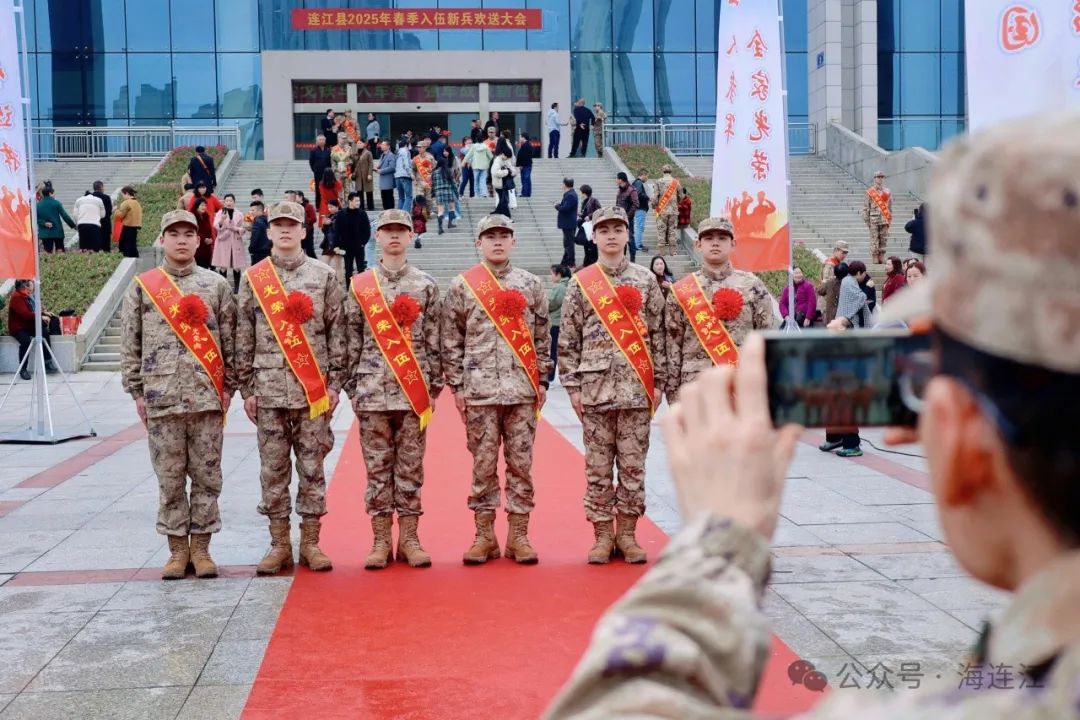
418, 19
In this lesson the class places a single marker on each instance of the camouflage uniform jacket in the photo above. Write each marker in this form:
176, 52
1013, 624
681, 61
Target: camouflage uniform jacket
371, 383
686, 357
690, 640
589, 360
260, 364
871, 213
672, 208
477, 359
154, 362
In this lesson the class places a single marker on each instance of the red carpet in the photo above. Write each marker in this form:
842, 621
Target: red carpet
450, 641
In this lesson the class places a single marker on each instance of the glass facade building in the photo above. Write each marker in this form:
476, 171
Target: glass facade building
197, 62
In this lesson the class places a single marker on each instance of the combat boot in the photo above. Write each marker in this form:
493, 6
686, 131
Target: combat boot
280, 555
517, 541
382, 552
179, 554
310, 554
408, 544
604, 547
486, 546
205, 567
625, 540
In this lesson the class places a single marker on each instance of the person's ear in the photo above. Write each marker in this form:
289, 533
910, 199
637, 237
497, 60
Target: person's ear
965, 442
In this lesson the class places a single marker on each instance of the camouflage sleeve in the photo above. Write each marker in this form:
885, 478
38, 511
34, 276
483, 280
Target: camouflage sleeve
673, 328
687, 640
335, 335
131, 347
541, 330
570, 337
453, 336
354, 342
432, 338
227, 332
761, 302
245, 341
654, 308
866, 209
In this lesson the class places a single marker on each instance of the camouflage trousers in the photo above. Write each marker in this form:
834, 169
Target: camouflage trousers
513, 427
667, 233
393, 448
879, 238
182, 446
598, 141
283, 432
620, 437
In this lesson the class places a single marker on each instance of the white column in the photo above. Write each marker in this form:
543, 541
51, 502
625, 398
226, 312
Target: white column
865, 78
825, 83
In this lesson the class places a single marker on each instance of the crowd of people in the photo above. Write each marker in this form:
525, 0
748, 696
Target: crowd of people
96, 221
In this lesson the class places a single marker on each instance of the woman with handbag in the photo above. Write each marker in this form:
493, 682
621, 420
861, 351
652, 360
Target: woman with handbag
230, 252
589, 205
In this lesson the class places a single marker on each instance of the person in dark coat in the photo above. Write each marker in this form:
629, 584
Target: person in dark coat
493, 122
319, 161
525, 162
106, 222
326, 125
916, 227
568, 221
259, 245
353, 231
583, 122
201, 168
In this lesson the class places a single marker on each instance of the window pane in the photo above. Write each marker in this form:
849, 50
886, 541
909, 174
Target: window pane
590, 23
414, 39
798, 93
191, 30
920, 23
706, 86
888, 26
239, 82
238, 25
952, 25
632, 21
920, 93
107, 85
888, 85
196, 86
251, 137
150, 88
43, 105
632, 86
795, 32
673, 32
31, 26
66, 84
143, 15
106, 26
590, 78
31, 83
503, 39
675, 84
42, 27
275, 22
460, 39
952, 84
555, 31
320, 39
707, 26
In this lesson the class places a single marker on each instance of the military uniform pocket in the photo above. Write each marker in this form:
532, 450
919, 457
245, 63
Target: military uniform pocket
594, 380
269, 375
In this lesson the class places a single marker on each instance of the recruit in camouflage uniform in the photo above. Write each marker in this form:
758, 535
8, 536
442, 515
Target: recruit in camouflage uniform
686, 355
283, 415
183, 412
667, 217
876, 220
690, 640
616, 410
390, 433
500, 403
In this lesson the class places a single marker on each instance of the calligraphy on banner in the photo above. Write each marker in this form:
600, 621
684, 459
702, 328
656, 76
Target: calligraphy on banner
750, 158
16, 230
418, 19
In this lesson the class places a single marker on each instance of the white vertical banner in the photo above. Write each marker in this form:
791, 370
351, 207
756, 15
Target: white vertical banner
1023, 58
750, 163
16, 233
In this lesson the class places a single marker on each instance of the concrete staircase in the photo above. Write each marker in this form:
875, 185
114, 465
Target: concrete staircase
106, 353
273, 176
72, 178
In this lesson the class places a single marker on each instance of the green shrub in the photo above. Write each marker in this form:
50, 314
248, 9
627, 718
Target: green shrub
72, 280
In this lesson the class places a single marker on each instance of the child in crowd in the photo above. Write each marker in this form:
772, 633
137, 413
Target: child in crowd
420, 215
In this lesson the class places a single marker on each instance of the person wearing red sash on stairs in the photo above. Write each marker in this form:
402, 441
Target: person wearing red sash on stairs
877, 214
495, 337
177, 362
612, 363
290, 361
736, 303
394, 376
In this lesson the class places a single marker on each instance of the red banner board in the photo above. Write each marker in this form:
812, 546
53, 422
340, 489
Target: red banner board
418, 19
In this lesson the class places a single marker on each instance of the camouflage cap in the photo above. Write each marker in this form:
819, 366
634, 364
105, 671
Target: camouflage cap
394, 217
612, 212
879, 173
1002, 228
286, 210
840, 245
495, 220
721, 224
174, 217
665, 169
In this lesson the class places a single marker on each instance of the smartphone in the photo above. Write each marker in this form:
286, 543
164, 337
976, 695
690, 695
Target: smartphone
864, 378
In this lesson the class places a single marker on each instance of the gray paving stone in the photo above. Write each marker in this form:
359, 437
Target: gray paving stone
234, 662
179, 594
834, 600
866, 533
14, 546
29, 642
19, 521
957, 593
819, 568
162, 626
252, 621
106, 665
5, 578
222, 702
71, 556
794, 536
6, 698
135, 704
46, 599
879, 490
901, 566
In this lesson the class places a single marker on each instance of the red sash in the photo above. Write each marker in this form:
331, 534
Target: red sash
395, 347
164, 293
270, 294
483, 284
669, 193
709, 329
881, 199
627, 332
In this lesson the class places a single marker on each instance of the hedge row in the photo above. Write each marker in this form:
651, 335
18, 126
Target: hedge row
71, 280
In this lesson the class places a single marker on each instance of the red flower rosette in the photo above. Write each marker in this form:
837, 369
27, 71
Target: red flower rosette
192, 310
630, 297
298, 308
510, 303
406, 311
727, 303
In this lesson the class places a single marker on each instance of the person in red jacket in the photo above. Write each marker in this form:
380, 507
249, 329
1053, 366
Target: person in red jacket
21, 324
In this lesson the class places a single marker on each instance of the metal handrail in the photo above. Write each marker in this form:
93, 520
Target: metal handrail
697, 138
52, 142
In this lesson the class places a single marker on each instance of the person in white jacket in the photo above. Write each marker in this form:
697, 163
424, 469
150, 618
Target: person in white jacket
89, 212
502, 172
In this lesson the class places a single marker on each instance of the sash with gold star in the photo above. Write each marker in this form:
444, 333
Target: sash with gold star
627, 331
164, 293
396, 349
710, 330
270, 294
881, 199
483, 284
